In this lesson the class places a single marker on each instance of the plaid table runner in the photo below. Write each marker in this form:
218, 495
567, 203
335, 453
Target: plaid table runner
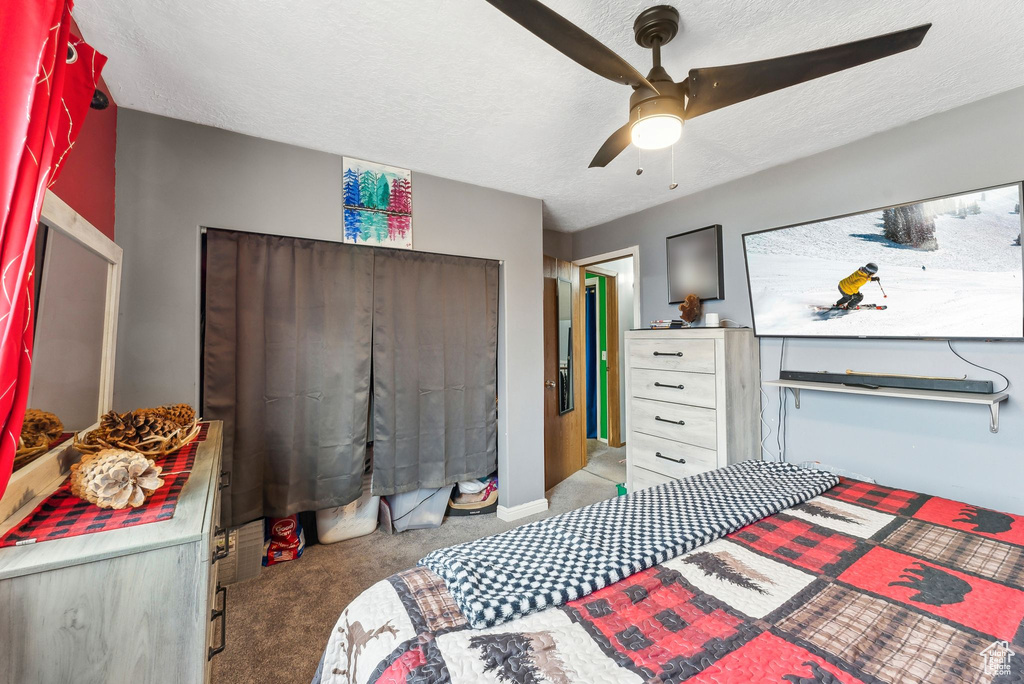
64, 515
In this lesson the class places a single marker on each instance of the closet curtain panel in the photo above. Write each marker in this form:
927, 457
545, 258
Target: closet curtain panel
435, 341
287, 368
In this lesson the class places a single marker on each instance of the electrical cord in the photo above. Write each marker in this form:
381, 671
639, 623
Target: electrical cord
764, 407
782, 400
782, 429
976, 365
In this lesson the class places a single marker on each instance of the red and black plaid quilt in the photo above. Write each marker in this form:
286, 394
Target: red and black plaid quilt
63, 514
864, 583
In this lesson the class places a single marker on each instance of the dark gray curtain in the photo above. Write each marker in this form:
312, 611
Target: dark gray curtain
435, 339
287, 368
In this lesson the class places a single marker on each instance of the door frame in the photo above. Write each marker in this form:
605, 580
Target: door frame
588, 283
613, 380
592, 264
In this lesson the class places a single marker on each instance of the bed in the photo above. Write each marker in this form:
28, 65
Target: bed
857, 583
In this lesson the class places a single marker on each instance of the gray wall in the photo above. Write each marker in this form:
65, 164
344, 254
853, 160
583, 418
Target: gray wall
173, 177
558, 245
939, 448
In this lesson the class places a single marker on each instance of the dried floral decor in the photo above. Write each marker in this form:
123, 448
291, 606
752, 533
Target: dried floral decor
38, 431
115, 478
153, 432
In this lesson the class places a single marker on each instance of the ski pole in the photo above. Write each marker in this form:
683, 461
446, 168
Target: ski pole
879, 283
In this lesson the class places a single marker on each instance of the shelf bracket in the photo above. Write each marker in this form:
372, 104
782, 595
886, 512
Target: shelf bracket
994, 423
796, 396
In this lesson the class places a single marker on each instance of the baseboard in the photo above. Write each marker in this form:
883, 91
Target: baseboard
522, 510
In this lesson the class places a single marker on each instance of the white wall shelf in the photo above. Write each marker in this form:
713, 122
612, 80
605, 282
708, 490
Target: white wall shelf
990, 400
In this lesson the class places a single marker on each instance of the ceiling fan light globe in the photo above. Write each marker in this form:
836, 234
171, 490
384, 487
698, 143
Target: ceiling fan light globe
656, 132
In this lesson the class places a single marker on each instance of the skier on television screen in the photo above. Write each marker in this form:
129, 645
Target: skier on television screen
850, 286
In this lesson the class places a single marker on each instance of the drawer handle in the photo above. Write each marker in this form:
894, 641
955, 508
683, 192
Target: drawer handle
669, 458
220, 555
668, 353
221, 613
666, 420
658, 384
225, 479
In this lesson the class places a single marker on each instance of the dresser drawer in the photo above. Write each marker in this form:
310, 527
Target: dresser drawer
212, 622
695, 389
690, 424
674, 459
216, 532
642, 479
695, 356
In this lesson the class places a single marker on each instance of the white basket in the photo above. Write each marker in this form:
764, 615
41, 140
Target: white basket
356, 519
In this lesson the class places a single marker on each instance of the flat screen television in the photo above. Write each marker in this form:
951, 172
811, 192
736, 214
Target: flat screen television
944, 268
695, 264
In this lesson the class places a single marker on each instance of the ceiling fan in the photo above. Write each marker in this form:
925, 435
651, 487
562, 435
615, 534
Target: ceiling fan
659, 106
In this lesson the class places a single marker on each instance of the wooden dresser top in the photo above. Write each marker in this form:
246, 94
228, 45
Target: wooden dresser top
191, 521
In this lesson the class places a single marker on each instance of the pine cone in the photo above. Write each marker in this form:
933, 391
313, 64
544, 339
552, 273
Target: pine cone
115, 478
135, 427
39, 429
112, 426
152, 432
182, 414
41, 423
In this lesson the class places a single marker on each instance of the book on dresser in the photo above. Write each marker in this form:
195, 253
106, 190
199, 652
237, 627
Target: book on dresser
691, 402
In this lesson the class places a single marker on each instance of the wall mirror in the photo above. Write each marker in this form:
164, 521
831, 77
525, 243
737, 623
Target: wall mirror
77, 286
71, 298
566, 400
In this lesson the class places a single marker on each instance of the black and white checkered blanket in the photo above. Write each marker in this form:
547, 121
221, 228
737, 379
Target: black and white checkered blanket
560, 559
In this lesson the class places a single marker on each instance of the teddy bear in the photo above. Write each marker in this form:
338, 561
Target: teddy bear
689, 310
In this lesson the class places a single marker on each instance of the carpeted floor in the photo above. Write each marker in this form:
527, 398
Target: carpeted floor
278, 623
604, 461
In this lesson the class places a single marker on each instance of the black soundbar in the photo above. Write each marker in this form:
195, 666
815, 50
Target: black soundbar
902, 382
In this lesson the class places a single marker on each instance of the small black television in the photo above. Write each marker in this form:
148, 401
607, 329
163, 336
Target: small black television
695, 264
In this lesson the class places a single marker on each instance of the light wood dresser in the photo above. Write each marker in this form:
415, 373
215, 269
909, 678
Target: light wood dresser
138, 604
692, 402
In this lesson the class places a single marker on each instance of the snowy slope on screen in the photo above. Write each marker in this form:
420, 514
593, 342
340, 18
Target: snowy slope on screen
970, 286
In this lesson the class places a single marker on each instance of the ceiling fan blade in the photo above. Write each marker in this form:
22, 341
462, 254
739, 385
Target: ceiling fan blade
571, 41
716, 87
613, 146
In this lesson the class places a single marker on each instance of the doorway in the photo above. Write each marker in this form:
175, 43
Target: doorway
582, 356
611, 308
603, 375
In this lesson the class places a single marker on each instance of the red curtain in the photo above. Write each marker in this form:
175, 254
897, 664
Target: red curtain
47, 78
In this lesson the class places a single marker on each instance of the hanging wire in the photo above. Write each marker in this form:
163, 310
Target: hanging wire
673, 185
990, 370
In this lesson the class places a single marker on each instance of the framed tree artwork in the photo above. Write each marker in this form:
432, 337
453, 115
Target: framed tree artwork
377, 204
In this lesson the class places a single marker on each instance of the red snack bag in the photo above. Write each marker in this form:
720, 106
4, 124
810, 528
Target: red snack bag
283, 539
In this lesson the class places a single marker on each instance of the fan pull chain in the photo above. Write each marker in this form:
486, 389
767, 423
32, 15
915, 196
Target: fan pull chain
639, 152
673, 185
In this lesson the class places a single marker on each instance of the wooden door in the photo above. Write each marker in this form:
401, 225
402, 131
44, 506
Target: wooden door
564, 448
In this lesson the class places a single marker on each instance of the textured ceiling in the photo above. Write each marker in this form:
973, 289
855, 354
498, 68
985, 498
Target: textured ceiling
455, 89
